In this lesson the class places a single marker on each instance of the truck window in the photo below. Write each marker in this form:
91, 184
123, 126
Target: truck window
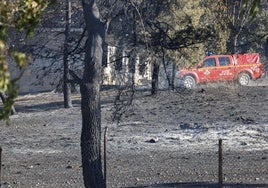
209, 62
223, 61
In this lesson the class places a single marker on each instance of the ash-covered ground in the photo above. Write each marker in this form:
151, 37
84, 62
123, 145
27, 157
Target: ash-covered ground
167, 140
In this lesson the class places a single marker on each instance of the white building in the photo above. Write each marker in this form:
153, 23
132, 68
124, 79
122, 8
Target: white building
41, 75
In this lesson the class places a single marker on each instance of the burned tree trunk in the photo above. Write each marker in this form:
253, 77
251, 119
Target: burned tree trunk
66, 73
155, 78
90, 98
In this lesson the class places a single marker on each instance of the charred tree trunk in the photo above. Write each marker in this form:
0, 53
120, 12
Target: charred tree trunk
90, 98
155, 78
232, 43
266, 48
173, 76
66, 73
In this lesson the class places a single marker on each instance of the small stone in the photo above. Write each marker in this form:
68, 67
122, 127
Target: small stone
69, 167
152, 140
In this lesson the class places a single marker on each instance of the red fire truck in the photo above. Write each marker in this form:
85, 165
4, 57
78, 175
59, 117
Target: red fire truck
214, 68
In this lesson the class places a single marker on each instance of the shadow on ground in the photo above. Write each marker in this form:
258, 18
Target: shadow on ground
203, 185
44, 106
50, 106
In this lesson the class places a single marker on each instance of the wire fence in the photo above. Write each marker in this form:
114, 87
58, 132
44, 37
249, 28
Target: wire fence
216, 167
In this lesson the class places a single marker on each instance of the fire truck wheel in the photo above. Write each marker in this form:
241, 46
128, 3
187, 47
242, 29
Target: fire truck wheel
243, 79
189, 82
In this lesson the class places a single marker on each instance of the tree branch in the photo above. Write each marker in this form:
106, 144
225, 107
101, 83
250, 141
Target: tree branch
76, 78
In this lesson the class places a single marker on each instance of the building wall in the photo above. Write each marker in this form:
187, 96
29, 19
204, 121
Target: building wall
34, 78
123, 74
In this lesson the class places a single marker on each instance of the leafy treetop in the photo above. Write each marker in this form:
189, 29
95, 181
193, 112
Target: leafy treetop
21, 15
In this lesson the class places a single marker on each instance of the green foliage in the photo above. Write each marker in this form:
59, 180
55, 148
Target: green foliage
252, 6
20, 59
255, 34
190, 31
22, 15
189, 28
29, 14
235, 18
12, 93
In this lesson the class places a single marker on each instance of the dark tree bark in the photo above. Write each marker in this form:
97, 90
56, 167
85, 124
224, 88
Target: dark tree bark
90, 98
66, 74
155, 78
173, 76
232, 42
266, 48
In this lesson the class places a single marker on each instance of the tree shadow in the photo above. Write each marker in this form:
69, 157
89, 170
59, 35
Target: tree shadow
202, 185
50, 105
44, 106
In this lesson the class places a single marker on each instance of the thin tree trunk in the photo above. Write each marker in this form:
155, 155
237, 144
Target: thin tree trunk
169, 77
266, 48
90, 98
173, 76
155, 78
66, 73
230, 44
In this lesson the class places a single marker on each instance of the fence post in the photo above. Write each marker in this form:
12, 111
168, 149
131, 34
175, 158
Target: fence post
220, 164
104, 155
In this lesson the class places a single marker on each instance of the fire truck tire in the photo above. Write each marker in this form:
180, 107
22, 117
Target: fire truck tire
189, 82
243, 79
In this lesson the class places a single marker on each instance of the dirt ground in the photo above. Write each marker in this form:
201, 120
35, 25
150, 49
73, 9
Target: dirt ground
169, 140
